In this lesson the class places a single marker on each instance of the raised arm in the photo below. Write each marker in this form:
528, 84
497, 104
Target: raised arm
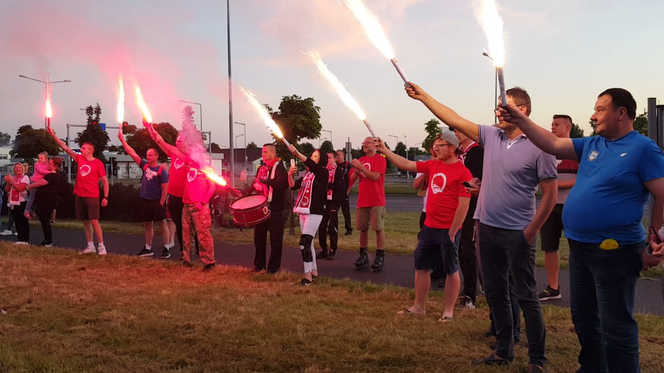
130, 151
397, 160
61, 143
169, 149
562, 148
442, 112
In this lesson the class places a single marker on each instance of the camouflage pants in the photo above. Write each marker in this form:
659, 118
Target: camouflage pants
201, 221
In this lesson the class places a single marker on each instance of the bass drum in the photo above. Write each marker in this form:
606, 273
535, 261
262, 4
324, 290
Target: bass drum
250, 210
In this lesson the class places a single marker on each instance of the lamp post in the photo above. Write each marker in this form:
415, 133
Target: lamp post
331, 141
236, 137
245, 142
200, 110
407, 172
46, 83
230, 91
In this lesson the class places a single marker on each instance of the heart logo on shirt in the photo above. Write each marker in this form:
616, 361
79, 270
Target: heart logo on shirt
178, 163
84, 170
438, 183
191, 175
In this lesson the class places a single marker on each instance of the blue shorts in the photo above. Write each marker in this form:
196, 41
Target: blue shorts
434, 244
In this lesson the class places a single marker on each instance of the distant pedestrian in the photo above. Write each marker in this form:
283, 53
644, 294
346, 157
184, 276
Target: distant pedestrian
18, 199
347, 169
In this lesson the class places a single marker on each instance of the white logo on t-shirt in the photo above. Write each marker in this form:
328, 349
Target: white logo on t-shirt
438, 182
191, 175
178, 163
85, 170
593, 155
150, 174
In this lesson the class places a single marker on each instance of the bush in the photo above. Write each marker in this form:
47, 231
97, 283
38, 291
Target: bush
124, 204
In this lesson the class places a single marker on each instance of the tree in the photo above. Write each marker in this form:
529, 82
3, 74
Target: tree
5, 139
641, 123
576, 132
326, 146
93, 133
416, 150
252, 145
432, 128
400, 149
298, 119
592, 125
306, 148
30, 142
141, 140
215, 148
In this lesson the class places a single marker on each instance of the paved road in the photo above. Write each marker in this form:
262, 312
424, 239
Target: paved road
398, 269
397, 202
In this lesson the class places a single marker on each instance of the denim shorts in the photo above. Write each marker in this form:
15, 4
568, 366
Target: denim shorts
433, 244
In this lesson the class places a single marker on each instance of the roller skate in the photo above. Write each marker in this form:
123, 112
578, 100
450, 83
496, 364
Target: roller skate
379, 260
363, 261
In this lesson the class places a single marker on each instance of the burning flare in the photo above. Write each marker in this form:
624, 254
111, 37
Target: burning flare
372, 28
493, 29
144, 108
49, 110
265, 116
121, 100
209, 172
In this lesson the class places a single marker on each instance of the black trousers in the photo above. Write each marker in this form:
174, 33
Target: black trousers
345, 207
329, 225
468, 257
275, 226
21, 222
44, 215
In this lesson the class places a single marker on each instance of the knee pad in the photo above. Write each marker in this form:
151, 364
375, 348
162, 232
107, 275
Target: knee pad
305, 247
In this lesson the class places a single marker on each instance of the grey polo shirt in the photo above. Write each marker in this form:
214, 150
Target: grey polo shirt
512, 172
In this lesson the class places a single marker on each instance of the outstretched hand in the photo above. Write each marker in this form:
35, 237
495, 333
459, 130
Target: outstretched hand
509, 113
414, 91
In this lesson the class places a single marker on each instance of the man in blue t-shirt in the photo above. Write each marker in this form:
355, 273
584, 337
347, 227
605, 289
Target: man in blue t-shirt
154, 189
602, 219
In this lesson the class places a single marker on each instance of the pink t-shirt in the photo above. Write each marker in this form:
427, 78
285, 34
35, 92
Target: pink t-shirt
41, 170
196, 185
87, 178
177, 177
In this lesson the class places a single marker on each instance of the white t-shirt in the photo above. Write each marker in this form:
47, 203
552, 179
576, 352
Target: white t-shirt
23, 196
426, 194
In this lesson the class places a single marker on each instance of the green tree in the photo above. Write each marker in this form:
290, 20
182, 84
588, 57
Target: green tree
5, 139
29, 142
326, 146
93, 133
252, 145
141, 140
576, 132
400, 149
298, 119
416, 150
641, 123
306, 148
432, 128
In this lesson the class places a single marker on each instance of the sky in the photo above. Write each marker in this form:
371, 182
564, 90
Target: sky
564, 52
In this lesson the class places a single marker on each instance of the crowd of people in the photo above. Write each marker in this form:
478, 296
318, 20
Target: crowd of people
478, 228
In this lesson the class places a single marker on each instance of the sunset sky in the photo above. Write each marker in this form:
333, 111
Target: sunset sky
564, 52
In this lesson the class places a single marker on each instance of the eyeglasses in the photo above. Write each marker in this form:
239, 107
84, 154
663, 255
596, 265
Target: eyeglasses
436, 146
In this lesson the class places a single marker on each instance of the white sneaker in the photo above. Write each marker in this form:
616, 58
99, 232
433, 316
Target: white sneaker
89, 250
6, 232
20, 243
101, 250
15, 233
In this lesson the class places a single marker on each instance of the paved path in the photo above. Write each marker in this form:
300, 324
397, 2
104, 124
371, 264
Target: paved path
398, 268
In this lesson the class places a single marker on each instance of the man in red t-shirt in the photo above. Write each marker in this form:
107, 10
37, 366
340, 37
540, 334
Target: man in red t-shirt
370, 169
447, 205
86, 190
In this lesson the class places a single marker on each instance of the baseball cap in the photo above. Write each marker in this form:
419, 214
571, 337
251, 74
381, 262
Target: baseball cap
451, 138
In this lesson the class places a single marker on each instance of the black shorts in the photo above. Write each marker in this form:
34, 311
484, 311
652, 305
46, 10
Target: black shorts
152, 210
87, 208
552, 230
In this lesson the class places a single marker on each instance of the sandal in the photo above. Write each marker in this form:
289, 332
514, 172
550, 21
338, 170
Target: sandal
407, 311
446, 318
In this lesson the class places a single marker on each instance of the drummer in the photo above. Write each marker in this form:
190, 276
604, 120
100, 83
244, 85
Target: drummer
272, 182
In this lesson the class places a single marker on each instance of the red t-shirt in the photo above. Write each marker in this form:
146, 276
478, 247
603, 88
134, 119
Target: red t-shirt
196, 185
372, 192
444, 191
177, 177
87, 178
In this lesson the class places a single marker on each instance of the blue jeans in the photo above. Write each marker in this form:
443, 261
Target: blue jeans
506, 259
602, 288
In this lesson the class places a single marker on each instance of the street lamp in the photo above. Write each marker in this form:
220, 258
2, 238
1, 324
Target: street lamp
230, 90
245, 142
240, 135
45, 90
332, 142
200, 111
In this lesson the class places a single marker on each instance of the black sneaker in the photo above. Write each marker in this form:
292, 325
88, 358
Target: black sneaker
208, 267
305, 282
466, 303
332, 255
322, 254
348, 233
165, 254
46, 244
145, 252
549, 294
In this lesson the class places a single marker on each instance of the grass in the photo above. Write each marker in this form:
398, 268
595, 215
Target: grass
71, 313
401, 229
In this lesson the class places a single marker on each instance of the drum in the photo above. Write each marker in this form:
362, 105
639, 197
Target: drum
250, 210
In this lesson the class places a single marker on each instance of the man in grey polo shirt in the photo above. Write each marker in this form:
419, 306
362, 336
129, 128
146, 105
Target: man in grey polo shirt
513, 168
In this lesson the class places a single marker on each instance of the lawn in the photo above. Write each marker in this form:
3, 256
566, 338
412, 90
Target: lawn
68, 313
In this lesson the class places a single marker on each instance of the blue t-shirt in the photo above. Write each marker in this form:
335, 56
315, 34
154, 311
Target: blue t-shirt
609, 196
152, 180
